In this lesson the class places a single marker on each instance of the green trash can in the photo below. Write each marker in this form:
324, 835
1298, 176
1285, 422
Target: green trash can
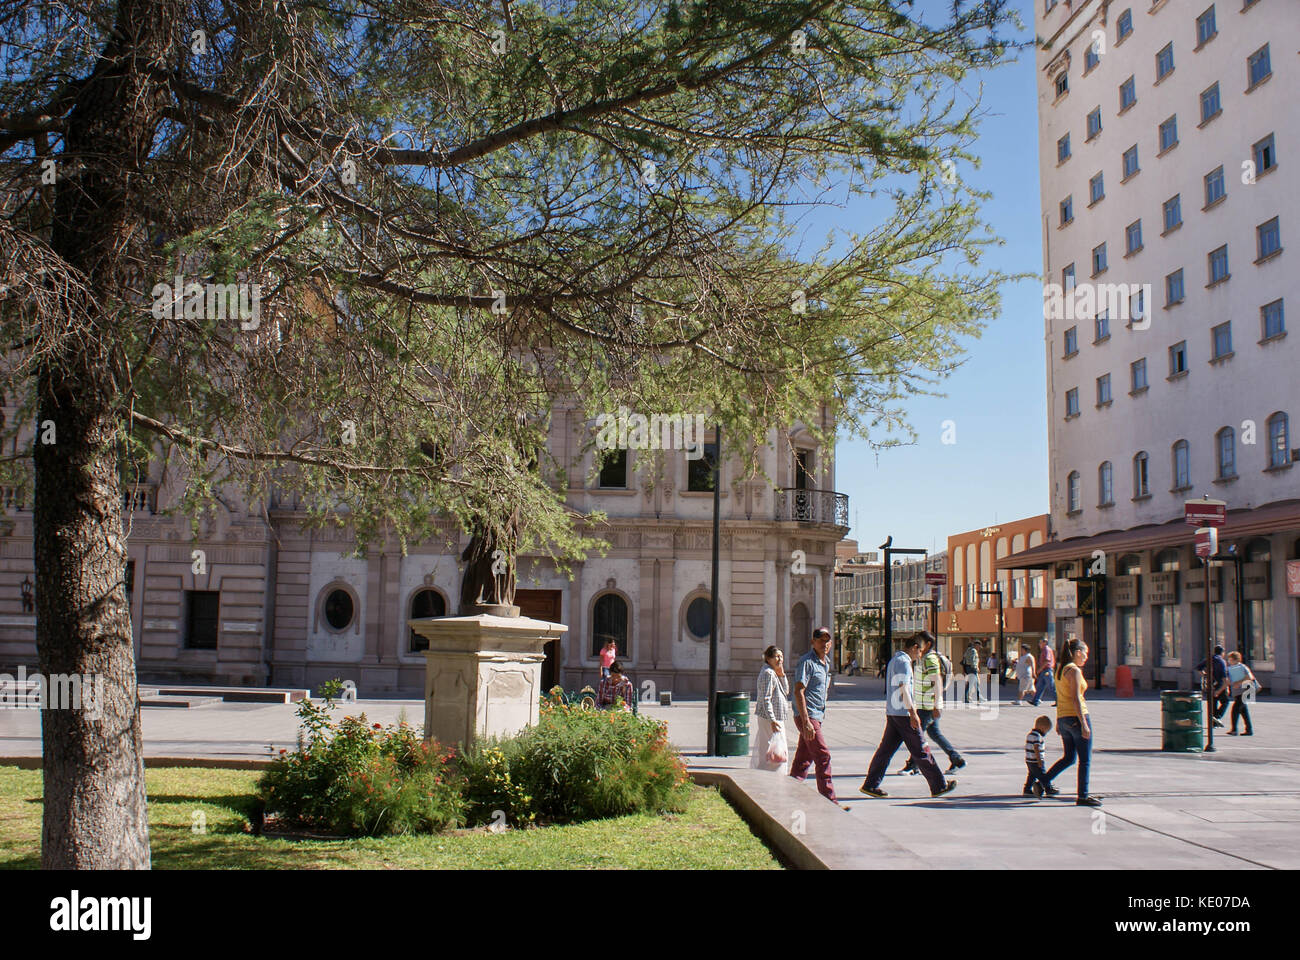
733, 724
1182, 725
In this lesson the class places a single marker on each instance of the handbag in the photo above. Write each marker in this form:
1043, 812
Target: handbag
777, 749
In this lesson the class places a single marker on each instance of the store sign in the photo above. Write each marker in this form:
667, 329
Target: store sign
1206, 542
1125, 590
1254, 581
1065, 595
1194, 584
936, 577
1162, 587
1293, 578
1205, 513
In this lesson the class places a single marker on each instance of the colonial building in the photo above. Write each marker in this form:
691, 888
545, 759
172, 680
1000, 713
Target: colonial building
257, 599
1168, 147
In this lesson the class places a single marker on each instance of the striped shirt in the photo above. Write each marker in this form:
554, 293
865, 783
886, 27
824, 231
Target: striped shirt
772, 702
931, 678
1034, 746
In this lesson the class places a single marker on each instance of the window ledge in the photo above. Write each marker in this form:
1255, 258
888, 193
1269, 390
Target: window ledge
1092, 137
1061, 163
1098, 273
1073, 513
1135, 251
1180, 375
1169, 230
1093, 203
1174, 303
1265, 172
1156, 5
1131, 175
1180, 489
612, 491
1105, 506
1069, 356
1269, 256
1280, 467
1072, 416
1169, 149
1223, 481
1222, 358
1160, 80
1214, 283
1141, 496
1208, 40
1139, 391
1104, 404
1064, 223
1255, 86
1273, 339
1210, 119
701, 493
1214, 203
1124, 110
1100, 340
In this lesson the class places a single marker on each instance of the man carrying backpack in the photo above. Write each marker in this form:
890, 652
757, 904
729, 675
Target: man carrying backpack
970, 665
931, 683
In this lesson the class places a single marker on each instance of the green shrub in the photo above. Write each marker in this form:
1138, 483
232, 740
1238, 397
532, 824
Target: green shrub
489, 785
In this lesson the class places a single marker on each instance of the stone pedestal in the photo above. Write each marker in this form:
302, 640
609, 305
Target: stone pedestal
482, 675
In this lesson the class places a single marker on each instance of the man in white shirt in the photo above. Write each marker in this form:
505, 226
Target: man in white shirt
1025, 673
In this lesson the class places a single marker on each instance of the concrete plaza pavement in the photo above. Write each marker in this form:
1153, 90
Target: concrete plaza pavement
1238, 808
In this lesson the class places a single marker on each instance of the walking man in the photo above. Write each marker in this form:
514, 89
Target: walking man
929, 704
1025, 673
970, 666
812, 680
1219, 673
903, 725
1046, 664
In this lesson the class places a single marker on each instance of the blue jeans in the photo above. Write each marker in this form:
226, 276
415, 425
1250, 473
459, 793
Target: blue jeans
1074, 742
930, 725
1045, 680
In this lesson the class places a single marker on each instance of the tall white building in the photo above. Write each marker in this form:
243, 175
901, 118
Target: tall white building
1169, 156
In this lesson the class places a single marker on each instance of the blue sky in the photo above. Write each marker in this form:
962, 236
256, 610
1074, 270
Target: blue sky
997, 469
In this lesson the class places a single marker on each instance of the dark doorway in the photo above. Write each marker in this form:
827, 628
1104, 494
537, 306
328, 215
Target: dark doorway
543, 605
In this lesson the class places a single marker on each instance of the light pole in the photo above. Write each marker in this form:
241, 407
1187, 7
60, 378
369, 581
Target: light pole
997, 592
889, 589
713, 598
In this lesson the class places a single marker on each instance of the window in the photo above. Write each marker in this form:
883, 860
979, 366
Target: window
1178, 358
1259, 643
1098, 259
1182, 465
1072, 402
1269, 237
1279, 441
1167, 616
1221, 340
1174, 288
1062, 83
1067, 277
1131, 161
1258, 68
1265, 155
201, 609
1138, 375
1063, 149
1067, 210
1096, 189
1210, 105
1127, 94
1138, 305
1271, 318
1219, 264
1165, 61
1071, 341
1169, 134
613, 470
1173, 212
699, 617
1140, 477
425, 603
1103, 389
1133, 237
1105, 487
1090, 57
1206, 27
339, 609
1072, 487
1094, 123
699, 473
1225, 442
1124, 26
1214, 187
609, 622
1101, 326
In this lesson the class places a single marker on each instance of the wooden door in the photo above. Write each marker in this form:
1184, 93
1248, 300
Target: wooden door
543, 605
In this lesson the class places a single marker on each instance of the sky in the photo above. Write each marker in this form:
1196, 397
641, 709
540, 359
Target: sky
996, 470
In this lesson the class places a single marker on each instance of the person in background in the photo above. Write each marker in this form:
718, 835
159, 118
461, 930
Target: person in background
994, 673
773, 706
1025, 673
1243, 685
1072, 721
1037, 784
853, 665
1046, 666
929, 704
608, 654
970, 666
1219, 672
812, 681
615, 688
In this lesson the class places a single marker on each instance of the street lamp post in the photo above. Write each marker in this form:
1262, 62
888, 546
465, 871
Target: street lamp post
997, 592
889, 588
713, 598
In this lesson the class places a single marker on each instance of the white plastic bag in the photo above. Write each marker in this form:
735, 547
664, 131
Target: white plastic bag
777, 749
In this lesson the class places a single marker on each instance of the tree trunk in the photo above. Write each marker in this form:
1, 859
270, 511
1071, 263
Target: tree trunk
95, 815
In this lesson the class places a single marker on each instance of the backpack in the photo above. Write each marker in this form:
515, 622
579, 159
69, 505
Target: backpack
945, 668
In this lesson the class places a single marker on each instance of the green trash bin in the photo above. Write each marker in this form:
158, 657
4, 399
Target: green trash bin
1182, 726
733, 724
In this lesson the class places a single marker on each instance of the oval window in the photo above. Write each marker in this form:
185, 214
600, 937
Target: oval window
699, 616
338, 609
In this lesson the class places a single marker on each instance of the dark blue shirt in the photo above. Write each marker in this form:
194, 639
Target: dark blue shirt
1220, 671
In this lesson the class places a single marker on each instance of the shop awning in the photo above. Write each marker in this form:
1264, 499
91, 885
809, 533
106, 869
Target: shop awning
1260, 521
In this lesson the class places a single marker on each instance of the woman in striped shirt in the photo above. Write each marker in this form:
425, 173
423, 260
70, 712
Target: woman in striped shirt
772, 705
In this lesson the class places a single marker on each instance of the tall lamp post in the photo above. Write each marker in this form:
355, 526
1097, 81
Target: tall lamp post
890, 550
713, 598
997, 592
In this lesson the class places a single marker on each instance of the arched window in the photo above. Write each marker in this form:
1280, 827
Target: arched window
696, 616
1226, 447
609, 621
339, 610
1182, 465
425, 603
1279, 440
1105, 484
1074, 492
1141, 475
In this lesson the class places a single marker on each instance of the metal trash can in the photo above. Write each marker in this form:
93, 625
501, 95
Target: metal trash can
1182, 728
733, 724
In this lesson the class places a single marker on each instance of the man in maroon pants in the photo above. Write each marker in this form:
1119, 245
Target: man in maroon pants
812, 681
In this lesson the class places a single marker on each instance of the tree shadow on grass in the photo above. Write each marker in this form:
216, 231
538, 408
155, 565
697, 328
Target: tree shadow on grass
246, 805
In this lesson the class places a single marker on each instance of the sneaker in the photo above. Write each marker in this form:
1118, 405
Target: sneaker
1028, 793
1232, 733
872, 791
1218, 722
948, 787
1087, 802
1037, 790
1249, 733
955, 765
1051, 791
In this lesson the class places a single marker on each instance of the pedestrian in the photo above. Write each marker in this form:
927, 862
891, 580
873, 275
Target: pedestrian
1072, 720
903, 725
1219, 674
615, 689
1244, 683
772, 704
1037, 783
812, 680
929, 703
994, 673
608, 654
1025, 673
853, 665
1046, 666
970, 667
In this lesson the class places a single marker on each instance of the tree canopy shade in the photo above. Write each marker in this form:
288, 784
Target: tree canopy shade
440, 219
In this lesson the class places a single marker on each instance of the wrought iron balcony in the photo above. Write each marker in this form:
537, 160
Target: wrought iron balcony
812, 506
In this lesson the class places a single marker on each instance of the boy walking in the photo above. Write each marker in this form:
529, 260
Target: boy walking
1037, 783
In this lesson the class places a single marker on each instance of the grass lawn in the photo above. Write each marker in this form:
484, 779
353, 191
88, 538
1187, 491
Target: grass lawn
709, 835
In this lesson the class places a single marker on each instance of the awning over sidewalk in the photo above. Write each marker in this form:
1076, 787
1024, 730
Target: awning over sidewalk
1261, 521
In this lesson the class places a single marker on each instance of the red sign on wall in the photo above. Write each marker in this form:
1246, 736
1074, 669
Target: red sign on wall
936, 576
1205, 513
1207, 542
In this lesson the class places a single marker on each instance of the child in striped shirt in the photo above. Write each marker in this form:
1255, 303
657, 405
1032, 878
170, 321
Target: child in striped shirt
1037, 783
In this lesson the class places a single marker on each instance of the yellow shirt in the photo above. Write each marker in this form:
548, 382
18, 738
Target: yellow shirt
1065, 706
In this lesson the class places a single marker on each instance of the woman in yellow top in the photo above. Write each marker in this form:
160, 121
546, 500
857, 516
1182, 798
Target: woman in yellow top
1072, 720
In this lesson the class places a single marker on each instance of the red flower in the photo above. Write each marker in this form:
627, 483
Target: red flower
379, 726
